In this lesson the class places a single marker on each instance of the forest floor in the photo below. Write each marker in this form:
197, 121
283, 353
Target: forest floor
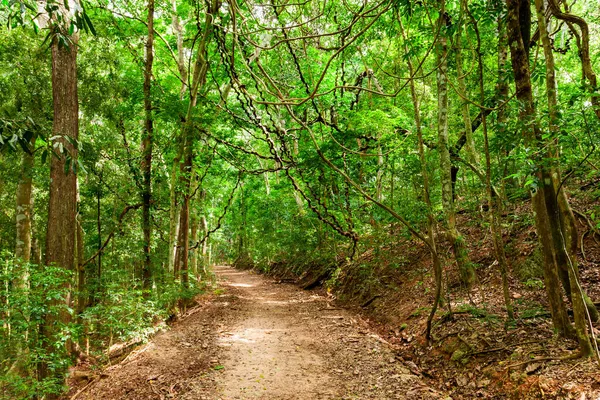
254, 338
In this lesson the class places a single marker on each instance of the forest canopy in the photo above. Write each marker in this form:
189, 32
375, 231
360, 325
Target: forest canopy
142, 142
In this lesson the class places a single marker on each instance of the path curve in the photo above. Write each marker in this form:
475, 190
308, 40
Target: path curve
261, 340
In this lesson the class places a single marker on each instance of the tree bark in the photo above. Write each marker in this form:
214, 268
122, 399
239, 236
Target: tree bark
568, 272
23, 212
431, 224
462, 87
545, 204
194, 233
62, 207
467, 274
188, 138
493, 201
147, 145
174, 204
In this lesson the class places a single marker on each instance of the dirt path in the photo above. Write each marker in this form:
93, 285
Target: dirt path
262, 340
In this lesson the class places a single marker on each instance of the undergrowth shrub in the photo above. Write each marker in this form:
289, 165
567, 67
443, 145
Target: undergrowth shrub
118, 312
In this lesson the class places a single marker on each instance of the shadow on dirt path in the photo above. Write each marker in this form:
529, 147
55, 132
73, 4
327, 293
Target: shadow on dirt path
262, 340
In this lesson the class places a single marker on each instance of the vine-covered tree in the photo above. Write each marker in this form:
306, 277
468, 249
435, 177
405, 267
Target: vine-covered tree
142, 142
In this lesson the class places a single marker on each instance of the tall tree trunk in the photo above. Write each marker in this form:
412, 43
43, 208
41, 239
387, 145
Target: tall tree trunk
493, 201
567, 261
183, 242
467, 273
545, 204
174, 204
188, 138
62, 207
436, 261
501, 116
147, 145
95, 297
23, 214
23, 245
173, 216
462, 87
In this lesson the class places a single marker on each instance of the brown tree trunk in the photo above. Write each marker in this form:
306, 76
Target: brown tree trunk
174, 208
183, 242
188, 138
62, 207
147, 145
545, 204
567, 261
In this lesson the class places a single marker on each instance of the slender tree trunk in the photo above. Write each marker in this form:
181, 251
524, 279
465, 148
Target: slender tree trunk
23, 213
81, 276
467, 273
36, 251
502, 89
436, 261
380, 171
147, 145
173, 217
583, 43
188, 138
62, 207
462, 87
205, 260
183, 242
194, 232
174, 204
493, 201
98, 279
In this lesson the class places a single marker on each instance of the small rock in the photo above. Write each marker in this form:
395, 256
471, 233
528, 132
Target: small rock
517, 295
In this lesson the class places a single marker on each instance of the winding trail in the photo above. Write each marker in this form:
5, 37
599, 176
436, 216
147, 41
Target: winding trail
261, 340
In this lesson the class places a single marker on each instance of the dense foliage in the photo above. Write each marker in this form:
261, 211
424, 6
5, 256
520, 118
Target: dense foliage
259, 133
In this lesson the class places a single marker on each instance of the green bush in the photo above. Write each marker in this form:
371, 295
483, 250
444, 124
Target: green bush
119, 313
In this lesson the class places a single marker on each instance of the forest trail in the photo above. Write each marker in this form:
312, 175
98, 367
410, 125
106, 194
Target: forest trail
256, 339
